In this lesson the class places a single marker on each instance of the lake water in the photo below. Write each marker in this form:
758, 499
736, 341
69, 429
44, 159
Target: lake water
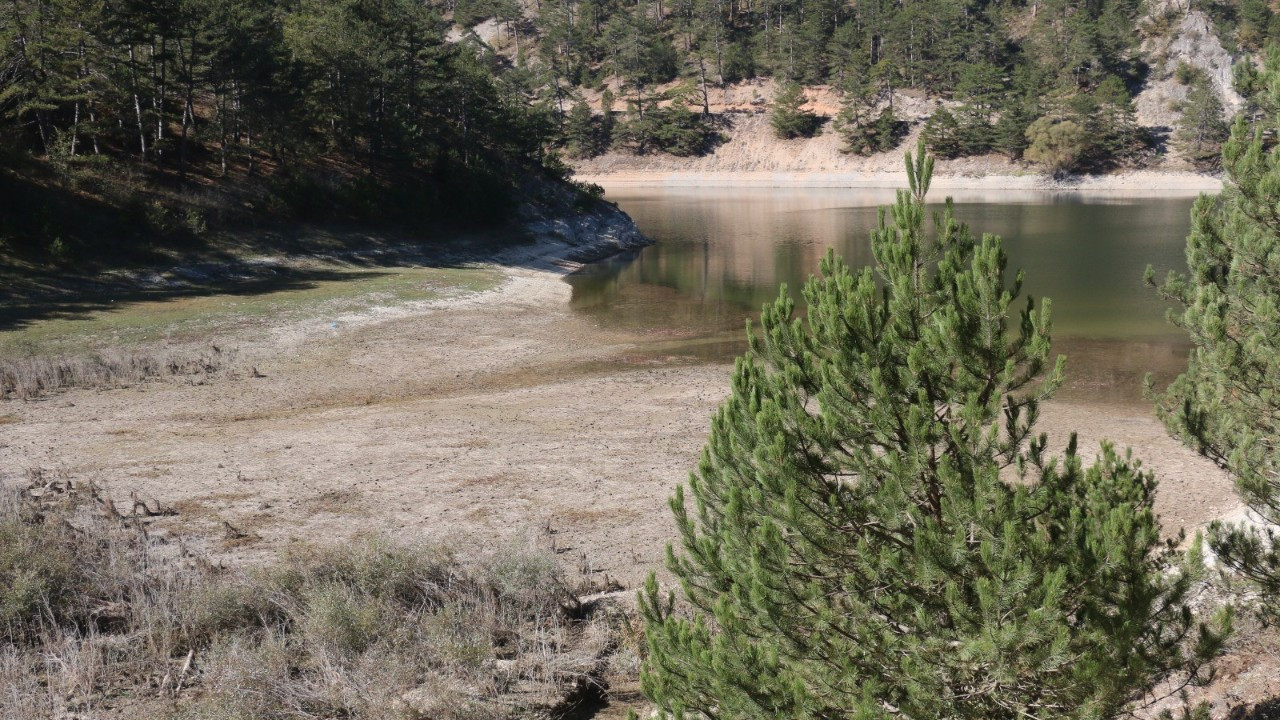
722, 253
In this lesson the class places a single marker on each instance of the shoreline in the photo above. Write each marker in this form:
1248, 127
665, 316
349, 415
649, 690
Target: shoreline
556, 242
1137, 183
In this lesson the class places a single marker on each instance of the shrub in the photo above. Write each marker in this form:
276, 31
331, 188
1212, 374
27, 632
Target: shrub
1057, 144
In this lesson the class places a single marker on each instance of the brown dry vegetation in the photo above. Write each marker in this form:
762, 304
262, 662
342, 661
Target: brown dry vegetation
25, 378
98, 618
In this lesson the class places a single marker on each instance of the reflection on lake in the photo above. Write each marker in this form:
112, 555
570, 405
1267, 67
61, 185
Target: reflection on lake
722, 253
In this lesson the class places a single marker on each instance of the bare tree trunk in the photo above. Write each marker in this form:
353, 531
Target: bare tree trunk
137, 104
248, 140
75, 128
702, 74
93, 123
222, 133
188, 108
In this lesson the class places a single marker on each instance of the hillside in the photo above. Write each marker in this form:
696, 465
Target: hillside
752, 155
1138, 86
135, 135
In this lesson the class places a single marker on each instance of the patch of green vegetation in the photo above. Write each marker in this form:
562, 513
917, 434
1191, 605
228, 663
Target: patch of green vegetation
190, 318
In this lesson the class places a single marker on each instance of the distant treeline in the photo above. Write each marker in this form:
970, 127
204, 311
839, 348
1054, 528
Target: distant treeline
1010, 62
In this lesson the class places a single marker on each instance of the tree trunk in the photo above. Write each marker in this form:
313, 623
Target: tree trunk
137, 104
702, 73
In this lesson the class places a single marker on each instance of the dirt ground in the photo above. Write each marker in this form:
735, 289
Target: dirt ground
497, 417
494, 417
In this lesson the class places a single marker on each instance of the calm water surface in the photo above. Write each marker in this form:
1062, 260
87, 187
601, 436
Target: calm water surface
722, 253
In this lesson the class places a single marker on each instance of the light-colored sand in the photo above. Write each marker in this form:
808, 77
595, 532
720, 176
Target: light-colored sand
491, 418
1136, 183
751, 156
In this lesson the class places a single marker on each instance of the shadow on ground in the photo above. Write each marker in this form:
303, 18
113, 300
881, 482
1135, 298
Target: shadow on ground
251, 262
1265, 710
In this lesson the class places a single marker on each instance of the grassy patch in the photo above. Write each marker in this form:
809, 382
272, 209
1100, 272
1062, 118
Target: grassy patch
179, 319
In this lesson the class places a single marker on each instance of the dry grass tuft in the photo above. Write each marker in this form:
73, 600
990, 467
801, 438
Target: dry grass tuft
98, 617
31, 377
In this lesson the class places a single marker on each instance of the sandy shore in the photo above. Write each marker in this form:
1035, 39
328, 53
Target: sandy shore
486, 419
752, 156
1136, 183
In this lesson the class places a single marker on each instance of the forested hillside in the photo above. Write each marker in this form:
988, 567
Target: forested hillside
1050, 80
154, 118
157, 119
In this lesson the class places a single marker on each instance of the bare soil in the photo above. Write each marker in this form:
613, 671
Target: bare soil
495, 415
494, 418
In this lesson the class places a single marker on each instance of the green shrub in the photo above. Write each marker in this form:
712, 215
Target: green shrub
1185, 73
1056, 144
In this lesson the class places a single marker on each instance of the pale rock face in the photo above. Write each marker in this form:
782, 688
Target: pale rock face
1198, 44
1194, 41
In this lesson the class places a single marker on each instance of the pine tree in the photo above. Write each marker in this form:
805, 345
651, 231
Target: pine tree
942, 134
1011, 129
875, 531
854, 123
580, 130
1201, 129
1225, 406
789, 118
889, 129
606, 118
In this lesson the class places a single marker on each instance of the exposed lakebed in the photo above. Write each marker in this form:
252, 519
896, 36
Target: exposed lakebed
721, 253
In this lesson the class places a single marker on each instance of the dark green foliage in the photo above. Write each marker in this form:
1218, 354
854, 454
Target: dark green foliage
1243, 24
866, 132
1201, 129
1225, 405
1185, 73
789, 118
1261, 105
1111, 128
942, 134
607, 120
236, 88
739, 64
854, 126
876, 531
963, 50
582, 133
1010, 132
966, 132
675, 129
889, 130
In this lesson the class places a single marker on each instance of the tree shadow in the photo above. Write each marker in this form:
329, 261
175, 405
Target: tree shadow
1158, 138
298, 258
117, 264
19, 313
1265, 710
